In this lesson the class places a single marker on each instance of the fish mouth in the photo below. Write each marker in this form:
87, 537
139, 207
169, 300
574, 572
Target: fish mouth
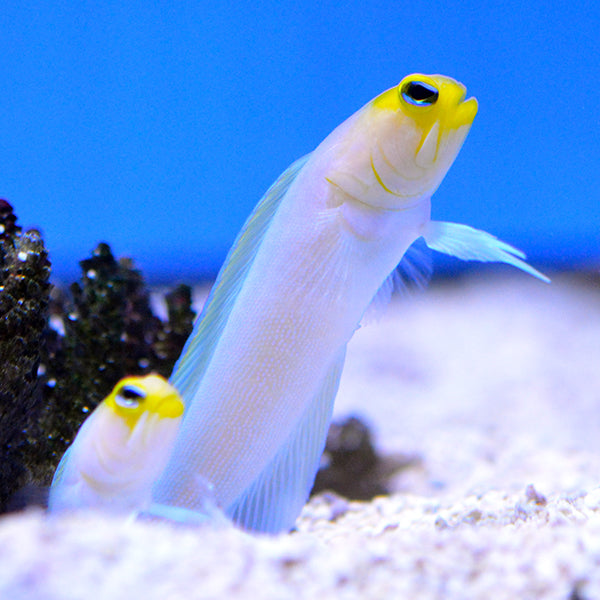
460, 109
170, 408
465, 110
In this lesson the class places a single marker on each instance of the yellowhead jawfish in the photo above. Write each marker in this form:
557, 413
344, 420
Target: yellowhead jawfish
261, 370
120, 449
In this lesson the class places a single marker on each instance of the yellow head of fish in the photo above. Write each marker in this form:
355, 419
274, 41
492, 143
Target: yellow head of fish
136, 425
121, 448
416, 130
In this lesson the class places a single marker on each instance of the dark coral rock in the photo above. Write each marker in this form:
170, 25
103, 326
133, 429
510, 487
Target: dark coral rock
24, 298
352, 466
109, 326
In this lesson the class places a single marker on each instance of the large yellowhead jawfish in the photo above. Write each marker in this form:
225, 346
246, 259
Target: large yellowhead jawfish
260, 371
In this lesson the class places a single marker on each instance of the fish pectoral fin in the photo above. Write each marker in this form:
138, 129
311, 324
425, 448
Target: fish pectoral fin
411, 275
212, 516
204, 511
274, 500
468, 243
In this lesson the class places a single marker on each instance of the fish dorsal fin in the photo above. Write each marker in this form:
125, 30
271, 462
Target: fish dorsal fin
199, 348
66, 470
467, 243
274, 500
412, 274
59, 474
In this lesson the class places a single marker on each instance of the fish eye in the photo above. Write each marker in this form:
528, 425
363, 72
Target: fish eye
419, 93
130, 397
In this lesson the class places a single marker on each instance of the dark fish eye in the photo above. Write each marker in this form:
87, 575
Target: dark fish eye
419, 93
130, 397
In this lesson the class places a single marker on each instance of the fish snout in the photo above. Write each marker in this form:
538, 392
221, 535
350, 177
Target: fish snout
170, 407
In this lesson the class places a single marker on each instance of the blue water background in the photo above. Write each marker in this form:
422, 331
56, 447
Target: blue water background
157, 126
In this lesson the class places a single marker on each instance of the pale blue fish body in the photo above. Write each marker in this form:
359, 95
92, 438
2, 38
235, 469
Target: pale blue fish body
260, 372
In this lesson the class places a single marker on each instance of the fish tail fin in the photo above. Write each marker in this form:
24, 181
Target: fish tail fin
468, 243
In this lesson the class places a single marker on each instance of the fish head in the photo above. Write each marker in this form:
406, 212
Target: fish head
416, 130
137, 424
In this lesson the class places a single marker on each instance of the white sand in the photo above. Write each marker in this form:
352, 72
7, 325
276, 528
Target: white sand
494, 384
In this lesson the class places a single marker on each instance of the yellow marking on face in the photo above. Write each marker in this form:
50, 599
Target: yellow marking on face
448, 108
380, 181
134, 396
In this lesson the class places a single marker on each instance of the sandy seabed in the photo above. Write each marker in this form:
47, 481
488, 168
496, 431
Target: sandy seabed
493, 383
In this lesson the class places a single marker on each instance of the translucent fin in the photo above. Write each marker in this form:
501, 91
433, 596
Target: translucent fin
209, 325
57, 486
412, 274
184, 516
206, 513
467, 243
60, 470
274, 501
